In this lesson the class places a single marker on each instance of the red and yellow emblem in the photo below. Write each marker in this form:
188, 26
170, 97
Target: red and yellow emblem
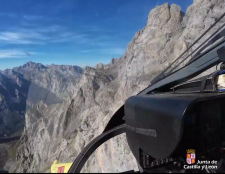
191, 156
61, 169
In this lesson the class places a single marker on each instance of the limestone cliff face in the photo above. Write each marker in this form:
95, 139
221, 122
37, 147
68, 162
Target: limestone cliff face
25, 86
64, 129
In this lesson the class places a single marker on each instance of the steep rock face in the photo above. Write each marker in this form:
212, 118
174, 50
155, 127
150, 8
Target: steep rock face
43, 141
168, 34
155, 44
24, 86
101, 91
12, 104
52, 136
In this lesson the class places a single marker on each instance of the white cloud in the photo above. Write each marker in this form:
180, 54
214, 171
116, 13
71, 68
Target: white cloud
12, 54
40, 35
47, 29
92, 28
11, 15
116, 51
21, 37
35, 53
87, 51
69, 37
9, 36
52, 34
32, 17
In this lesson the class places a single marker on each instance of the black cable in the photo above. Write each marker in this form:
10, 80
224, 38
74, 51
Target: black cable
192, 60
157, 78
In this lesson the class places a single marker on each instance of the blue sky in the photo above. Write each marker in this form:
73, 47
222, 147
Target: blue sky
73, 32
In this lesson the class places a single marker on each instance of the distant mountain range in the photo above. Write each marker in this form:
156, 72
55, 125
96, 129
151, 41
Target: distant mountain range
24, 86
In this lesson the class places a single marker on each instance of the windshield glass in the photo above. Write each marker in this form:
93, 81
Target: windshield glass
66, 66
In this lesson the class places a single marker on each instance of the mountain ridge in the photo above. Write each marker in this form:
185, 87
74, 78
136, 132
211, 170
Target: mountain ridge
15, 85
62, 130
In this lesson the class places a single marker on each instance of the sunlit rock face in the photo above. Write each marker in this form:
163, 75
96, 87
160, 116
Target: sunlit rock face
59, 131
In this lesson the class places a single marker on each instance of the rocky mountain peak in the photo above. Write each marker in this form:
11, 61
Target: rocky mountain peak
99, 66
66, 68
165, 15
33, 65
88, 69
